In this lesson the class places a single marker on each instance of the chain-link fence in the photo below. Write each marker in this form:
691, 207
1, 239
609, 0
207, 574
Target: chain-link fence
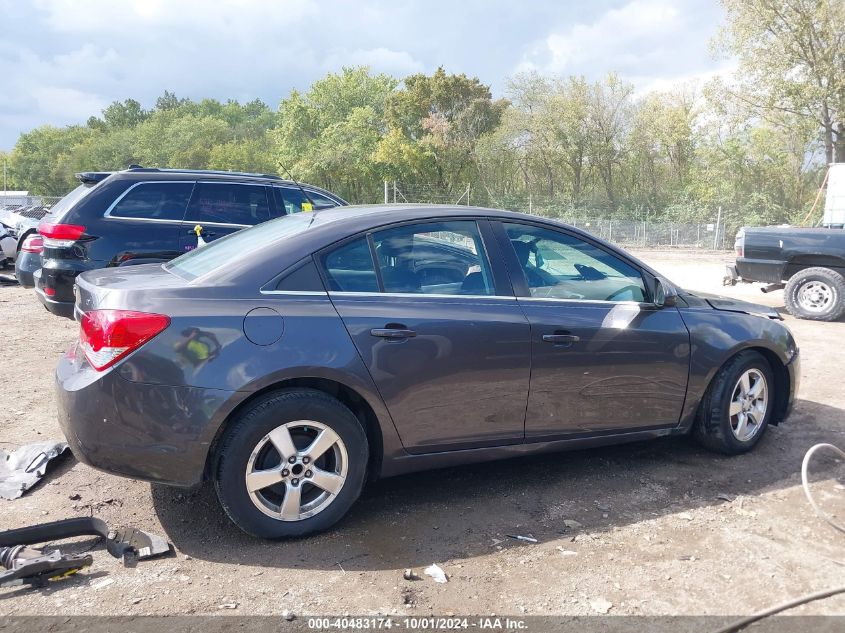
715, 234
645, 234
425, 194
26, 205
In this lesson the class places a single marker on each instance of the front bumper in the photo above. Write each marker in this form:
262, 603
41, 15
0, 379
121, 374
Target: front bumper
794, 369
156, 433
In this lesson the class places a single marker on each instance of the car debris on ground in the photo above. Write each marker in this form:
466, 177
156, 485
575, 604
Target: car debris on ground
435, 571
26, 565
20, 470
527, 539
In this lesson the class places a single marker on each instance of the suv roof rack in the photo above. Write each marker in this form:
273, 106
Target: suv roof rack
219, 172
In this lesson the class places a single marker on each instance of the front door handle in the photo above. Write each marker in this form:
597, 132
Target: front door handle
393, 333
561, 339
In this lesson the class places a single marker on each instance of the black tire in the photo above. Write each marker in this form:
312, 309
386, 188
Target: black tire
713, 428
252, 426
798, 306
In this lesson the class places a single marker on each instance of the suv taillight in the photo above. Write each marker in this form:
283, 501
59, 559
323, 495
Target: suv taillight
107, 336
60, 234
33, 244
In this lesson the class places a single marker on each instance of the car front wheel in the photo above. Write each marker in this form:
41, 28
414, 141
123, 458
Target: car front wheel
291, 464
737, 407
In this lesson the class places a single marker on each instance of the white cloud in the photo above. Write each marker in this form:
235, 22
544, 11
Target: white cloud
653, 43
648, 84
614, 36
95, 16
378, 59
63, 60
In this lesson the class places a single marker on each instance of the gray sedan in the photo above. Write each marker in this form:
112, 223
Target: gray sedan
292, 361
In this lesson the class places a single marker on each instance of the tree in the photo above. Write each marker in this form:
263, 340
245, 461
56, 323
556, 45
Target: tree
329, 135
443, 116
792, 60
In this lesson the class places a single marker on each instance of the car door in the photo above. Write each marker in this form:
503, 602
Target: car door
605, 359
220, 208
144, 221
438, 328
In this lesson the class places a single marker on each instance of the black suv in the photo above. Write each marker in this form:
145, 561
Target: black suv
146, 215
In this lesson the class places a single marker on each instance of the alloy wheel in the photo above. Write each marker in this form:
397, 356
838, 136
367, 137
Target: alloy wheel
749, 404
296, 470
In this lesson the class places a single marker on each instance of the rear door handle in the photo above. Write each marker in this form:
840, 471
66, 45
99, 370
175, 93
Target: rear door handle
561, 339
393, 333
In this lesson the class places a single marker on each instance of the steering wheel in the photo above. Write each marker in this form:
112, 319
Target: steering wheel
589, 273
633, 288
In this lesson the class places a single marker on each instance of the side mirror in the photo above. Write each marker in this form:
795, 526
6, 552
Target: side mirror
665, 294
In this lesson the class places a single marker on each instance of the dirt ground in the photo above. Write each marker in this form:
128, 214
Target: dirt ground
660, 528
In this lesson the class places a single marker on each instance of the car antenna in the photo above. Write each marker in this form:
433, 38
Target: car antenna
293, 180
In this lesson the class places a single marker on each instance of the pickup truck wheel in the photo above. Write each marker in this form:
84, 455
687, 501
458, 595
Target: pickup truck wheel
735, 410
816, 293
291, 464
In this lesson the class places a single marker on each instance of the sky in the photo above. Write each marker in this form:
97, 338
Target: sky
62, 61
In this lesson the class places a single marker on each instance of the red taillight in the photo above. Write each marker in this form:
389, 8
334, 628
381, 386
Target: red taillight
106, 336
33, 244
62, 232
50, 292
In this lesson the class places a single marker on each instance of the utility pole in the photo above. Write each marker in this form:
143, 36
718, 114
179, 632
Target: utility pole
718, 222
385, 192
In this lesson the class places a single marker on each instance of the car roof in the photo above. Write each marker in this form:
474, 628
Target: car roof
330, 226
169, 173
379, 214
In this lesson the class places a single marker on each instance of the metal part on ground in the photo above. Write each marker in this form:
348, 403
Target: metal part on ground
127, 544
20, 470
26, 565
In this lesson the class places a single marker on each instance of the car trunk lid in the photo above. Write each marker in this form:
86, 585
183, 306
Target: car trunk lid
123, 287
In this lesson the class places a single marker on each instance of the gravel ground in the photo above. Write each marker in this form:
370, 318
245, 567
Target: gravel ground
649, 528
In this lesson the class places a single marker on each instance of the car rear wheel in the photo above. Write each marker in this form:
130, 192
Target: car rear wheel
735, 411
291, 464
816, 293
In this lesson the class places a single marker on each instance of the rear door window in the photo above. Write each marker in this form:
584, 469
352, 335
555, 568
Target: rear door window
434, 258
154, 201
228, 203
349, 268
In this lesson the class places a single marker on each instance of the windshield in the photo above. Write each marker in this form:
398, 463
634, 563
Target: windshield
63, 205
226, 250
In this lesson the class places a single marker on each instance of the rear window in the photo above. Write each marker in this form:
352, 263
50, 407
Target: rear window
226, 250
65, 204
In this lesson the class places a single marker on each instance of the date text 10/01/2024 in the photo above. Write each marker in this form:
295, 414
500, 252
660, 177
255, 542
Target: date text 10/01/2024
431, 623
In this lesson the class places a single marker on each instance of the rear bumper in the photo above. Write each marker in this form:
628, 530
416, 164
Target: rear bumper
152, 432
764, 270
25, 266
59, 308
61, 282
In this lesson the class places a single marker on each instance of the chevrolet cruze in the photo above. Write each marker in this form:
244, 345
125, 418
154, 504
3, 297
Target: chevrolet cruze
292, 361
